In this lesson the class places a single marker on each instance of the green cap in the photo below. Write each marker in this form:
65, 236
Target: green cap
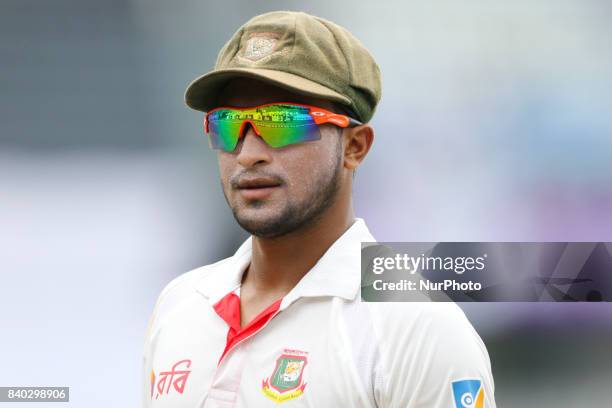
294, 50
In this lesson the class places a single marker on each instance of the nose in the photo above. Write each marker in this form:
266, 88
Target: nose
252, 149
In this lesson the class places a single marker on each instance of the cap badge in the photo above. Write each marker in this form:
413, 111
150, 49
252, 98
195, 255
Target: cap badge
259, 45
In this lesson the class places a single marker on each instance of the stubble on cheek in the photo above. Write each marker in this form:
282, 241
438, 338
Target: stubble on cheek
309, 174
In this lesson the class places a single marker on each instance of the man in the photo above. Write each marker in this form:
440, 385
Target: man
281, 321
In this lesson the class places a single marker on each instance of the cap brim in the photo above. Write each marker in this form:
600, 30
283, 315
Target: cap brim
202, 93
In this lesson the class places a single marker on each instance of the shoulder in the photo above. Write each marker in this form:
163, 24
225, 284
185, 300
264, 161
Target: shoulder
425, 318
425, 347
186, 282
439, 327
179, 289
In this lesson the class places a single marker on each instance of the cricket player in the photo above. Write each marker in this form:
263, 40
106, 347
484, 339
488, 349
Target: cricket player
281, 321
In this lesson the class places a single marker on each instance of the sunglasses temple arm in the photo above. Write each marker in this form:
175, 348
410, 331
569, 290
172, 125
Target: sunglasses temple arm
354, 122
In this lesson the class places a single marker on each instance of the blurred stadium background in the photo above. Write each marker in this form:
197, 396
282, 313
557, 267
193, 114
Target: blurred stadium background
495, 125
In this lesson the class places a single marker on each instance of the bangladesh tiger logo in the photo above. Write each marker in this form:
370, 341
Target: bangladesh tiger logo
286, 381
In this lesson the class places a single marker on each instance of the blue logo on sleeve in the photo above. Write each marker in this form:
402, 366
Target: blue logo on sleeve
468, 394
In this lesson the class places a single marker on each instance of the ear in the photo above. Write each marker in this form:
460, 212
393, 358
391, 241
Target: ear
357, 143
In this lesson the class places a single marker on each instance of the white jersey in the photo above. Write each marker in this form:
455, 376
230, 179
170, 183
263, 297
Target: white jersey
319, 346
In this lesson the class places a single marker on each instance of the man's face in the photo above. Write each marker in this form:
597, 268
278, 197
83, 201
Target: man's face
274, 191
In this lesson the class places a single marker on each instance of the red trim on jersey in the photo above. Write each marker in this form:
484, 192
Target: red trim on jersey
228, 308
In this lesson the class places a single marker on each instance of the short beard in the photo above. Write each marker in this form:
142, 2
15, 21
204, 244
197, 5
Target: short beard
296, 216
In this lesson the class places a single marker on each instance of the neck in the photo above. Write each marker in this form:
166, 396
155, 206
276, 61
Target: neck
278, 264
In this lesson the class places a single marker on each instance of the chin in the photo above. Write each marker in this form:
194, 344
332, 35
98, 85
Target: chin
262, 223
254, 218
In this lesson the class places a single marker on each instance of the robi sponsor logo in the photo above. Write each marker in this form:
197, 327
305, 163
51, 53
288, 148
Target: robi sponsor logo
175, 378
468, 394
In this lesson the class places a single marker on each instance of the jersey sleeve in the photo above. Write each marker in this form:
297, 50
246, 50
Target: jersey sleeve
147, 378
172, 294
433, 357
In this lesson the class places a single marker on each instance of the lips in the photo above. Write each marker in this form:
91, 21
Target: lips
255, 183
257, 188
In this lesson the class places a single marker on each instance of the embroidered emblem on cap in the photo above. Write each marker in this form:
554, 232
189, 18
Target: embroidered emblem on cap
260, 45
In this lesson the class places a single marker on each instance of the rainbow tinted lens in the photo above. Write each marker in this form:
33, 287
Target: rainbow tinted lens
278, 125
